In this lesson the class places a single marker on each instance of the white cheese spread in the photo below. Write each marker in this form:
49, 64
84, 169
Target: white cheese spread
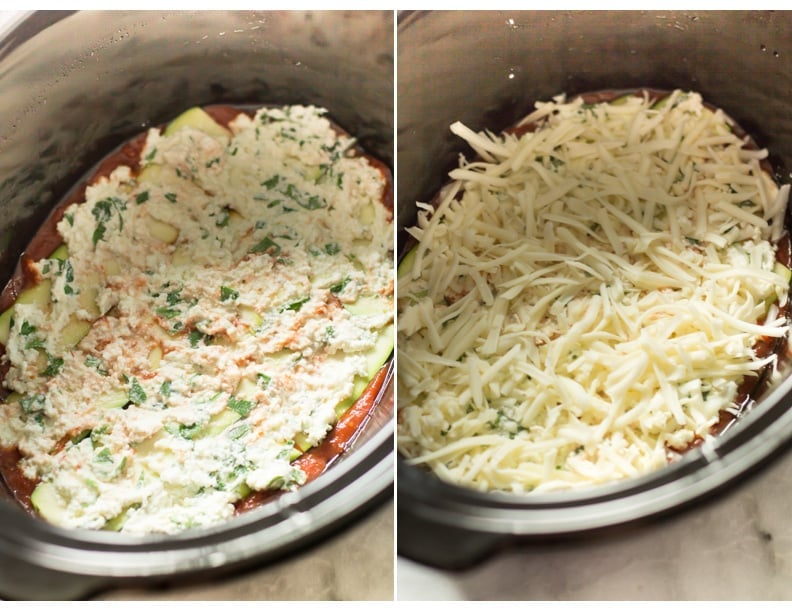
201, 330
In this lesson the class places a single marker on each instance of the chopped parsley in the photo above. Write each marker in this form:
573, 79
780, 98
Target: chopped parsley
136, 393
94, 362
268, 245
167, 313
241, 406
187, 432
54, 366
227, 293
263, 379
296, 304
165, 388
339, 287
103, 212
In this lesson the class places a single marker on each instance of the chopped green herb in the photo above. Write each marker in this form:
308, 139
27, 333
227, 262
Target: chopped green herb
165, 389
98, 233
241, 406
97, 433
103, 456
136, 393
77, 438
238, 431
271, 183
167, 313
94, 362
54, 366
34, 343
296, 305
332, 248
151, 155
29, 401
27, 328
171, 197
196, 336
263, 379
185, 431
339, 287
69, 218
268, 245
223, 217
227, 293
173, 297
143, 196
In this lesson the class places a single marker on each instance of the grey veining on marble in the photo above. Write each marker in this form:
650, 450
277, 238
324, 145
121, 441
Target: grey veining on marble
355, 564
737, 546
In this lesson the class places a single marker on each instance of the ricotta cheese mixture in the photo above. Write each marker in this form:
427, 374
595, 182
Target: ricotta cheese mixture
587, 295
206, 321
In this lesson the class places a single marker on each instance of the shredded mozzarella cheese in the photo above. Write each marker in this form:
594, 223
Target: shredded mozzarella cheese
586, 299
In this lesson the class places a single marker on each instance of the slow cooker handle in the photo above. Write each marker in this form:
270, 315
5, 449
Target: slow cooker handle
443, 546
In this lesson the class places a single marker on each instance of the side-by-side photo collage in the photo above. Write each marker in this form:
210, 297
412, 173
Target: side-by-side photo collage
393, 306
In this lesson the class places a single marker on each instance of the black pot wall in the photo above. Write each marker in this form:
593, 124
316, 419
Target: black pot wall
486, 69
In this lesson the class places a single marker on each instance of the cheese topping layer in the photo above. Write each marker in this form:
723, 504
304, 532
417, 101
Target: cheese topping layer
206, 323
585, 298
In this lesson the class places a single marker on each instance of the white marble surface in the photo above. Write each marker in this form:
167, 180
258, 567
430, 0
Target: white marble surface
355, 564
737, 546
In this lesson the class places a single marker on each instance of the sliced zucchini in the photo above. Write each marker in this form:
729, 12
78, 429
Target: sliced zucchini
87, 300
621, 100
48, 502
164, 232
783, 271
117, 522
370, 304
151, 174
182, 256
116, 398
367, 214
218, 424
198, 119
71, 334
407, 262
62, 253
38, 294
155, 358
375, 359
250, 317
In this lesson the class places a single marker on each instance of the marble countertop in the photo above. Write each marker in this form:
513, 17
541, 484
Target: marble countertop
736, 546
355, 564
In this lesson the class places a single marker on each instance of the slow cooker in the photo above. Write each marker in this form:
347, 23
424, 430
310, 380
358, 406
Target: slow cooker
74, 86
486, 69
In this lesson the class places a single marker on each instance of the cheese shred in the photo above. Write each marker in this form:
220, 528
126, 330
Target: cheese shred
589, 300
